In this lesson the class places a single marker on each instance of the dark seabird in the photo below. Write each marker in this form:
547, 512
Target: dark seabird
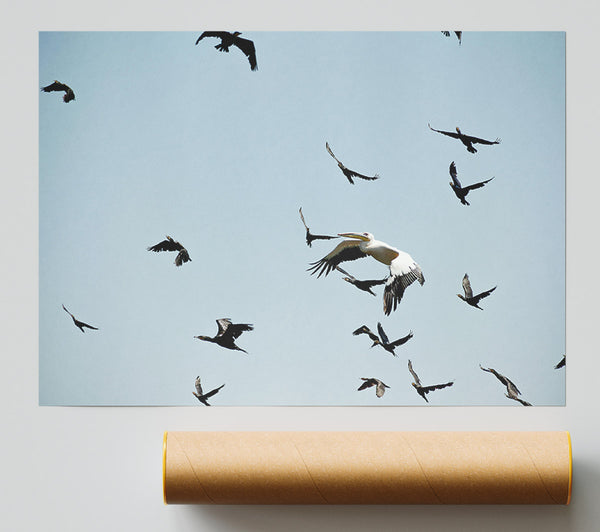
457, 33
380, 386
346, 171
562, 363
202, 397
361, 285
469, 297
78, 323
58, 86
511, 388
510, 385
466, 139
227, 334
382, 339
309, 236
424, 390
460, 191
171, 245
233, 39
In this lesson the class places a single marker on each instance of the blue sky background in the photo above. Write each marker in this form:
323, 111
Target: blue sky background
170, 138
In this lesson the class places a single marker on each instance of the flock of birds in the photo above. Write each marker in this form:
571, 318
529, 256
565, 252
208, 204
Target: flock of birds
403, 270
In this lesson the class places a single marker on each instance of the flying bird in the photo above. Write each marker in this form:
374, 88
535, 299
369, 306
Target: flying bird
511, 388
382, 339
227, 334
469, 297
460, 191
202, 397
562, 363
233, 39
403, 269
361, 285
346, 171
457, 33
380, 386
78, 323
467, 140
309, 236
424, 390
172, 245
58, 86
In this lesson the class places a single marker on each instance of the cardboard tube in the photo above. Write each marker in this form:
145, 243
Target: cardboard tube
367, 467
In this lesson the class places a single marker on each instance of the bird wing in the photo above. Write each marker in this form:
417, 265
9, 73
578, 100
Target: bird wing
236, 329
166, 245
477, 140
380, 390
477, 185
453, 175
82, 324
56, 86
302, 218
219, 34
224, 324
365, 330
449, 133
414, 375
484, 294
331, 153
247, 46
562, 362
427, 389
403, 272
182, 257
344, 251
213, 392
68, 312
353, 173
467, 286
402, 340
198, 386
446, 33
367, 384
382, 334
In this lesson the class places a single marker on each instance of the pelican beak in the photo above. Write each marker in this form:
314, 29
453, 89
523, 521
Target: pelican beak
358, 236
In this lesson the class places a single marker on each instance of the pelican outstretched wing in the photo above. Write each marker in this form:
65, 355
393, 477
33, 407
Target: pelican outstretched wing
219, 34
467, 286
477, 185
382, 334
403, 272
166, 245
344, 251
402, 340
365, 330
476, 140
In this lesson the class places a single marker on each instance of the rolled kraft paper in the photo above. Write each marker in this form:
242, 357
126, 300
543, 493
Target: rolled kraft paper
367, 467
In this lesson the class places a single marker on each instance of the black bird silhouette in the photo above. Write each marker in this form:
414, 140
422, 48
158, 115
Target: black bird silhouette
58, 86
511, 388
309, 236
172, 245
469, 297
346, 171
79, 324
562, 363
233, 39
467, 140
460, 191
457, 33
382, 339
424, 390
361, 285
227, 334
380, 386
202, 397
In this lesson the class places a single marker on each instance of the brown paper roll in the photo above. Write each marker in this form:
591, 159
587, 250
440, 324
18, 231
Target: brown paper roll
367, 467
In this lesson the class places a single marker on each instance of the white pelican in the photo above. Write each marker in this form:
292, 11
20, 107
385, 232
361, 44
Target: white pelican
403, 269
